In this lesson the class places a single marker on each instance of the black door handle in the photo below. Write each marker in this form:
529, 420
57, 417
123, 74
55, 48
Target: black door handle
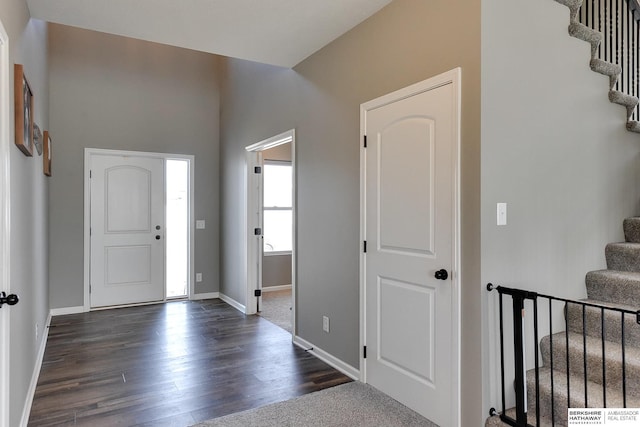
442, 274
11, 299
157, 237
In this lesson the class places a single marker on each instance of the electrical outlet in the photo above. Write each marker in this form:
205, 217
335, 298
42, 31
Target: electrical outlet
198, 277
325, 324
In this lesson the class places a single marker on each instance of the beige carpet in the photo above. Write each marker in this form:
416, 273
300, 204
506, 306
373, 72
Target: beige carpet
276, 308
349, 405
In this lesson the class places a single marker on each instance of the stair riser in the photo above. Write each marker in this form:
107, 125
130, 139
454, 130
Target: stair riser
612, 324
613, 367
607, 287
623, 258
632, 230
614, 400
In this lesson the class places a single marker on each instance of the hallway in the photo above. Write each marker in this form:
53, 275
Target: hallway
171, 364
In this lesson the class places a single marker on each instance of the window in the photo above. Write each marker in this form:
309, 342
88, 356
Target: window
277, 207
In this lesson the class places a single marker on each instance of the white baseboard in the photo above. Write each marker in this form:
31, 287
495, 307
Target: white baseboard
26, 411
207, 295
327, 358
67, 310
233, 303
275, 288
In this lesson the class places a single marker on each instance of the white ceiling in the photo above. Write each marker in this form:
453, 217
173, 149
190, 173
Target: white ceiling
277, 32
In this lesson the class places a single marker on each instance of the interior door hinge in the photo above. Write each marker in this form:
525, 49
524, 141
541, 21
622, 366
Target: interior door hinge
365, 246
257, 169
89, 288
257, 293
364, 351
257, 231
365, 141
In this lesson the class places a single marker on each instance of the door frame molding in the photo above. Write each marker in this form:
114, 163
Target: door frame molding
253, 158
453, 77
88, 153
5, 217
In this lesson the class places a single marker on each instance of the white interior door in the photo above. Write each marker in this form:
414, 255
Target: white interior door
4, 223
410, 213
127, 230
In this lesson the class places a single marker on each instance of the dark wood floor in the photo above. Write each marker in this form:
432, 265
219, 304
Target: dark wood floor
171, 364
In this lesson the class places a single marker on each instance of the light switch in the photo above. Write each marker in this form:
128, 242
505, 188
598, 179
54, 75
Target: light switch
502, 214
200, 224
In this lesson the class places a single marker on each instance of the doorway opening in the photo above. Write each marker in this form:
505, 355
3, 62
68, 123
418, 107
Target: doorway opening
177, 230
271, 226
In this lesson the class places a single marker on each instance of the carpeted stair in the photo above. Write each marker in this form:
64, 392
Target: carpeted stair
613, 71
617, 286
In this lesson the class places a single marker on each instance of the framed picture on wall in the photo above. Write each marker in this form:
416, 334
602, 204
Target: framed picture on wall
46, 151
24, 111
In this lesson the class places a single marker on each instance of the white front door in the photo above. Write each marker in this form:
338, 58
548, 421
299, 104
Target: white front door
5, 118
410, 216
127, 230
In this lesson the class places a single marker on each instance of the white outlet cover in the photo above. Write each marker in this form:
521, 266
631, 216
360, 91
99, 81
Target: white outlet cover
325, 323
200, 224
501, 214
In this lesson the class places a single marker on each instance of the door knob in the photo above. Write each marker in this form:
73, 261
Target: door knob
157, 237
11, 299
442, 274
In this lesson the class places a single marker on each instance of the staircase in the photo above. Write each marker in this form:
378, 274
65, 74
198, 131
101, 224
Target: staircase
610, 54
584, 343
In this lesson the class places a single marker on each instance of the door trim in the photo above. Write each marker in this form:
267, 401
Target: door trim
453, 77
88, 153
253, 158
5, 229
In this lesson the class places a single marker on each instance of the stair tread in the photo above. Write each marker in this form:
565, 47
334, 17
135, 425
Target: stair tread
594, 347
610, 304
577, 385
621, 98
602, 365
585, 33
605, 67
617, 275
633, 126
612, 319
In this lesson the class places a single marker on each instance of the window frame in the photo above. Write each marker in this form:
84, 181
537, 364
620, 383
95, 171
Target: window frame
270, 162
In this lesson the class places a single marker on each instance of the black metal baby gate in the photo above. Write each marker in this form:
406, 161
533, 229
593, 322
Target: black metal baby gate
535, 300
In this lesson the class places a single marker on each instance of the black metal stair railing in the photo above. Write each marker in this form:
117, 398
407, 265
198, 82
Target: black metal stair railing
545, 309
619, 23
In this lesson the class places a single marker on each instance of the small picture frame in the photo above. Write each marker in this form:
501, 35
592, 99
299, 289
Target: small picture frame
46, 153
24, 111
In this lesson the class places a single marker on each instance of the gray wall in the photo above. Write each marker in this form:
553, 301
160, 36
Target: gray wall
320, 98
276, 269
29, 224
556, 151
117, 93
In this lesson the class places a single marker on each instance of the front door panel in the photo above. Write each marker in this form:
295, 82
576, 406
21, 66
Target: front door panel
127, 230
